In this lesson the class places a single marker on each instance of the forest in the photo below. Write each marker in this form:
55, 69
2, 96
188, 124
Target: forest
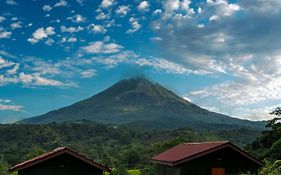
125, 148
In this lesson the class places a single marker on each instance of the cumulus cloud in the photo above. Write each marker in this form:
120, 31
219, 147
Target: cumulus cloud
68, 40
106, 3
88, 73
2, 18
95, 28
16, 25
47, 8
37, 80
71, 29
77, 18
143, 6
5, 63
4, 33
61, 3
14, 69
226, 40
41, 34
49, 41
177, 9
102, 16
135, 26
11, 2
101, 47
122, 10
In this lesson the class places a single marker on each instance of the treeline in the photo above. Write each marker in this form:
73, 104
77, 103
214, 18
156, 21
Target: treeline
267, 146
113, 146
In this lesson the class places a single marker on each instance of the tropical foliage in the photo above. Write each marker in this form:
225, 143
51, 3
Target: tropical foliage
114, 146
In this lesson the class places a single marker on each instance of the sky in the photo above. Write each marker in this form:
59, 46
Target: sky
224, 55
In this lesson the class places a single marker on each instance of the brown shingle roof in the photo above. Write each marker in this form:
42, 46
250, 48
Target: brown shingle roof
54, 153
189, 151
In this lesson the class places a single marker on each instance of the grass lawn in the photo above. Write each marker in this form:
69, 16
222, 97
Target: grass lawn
131, 172
134, 172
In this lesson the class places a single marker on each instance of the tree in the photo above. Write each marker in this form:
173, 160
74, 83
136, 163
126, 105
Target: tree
275, 121
271, 169
121, 170
3, 166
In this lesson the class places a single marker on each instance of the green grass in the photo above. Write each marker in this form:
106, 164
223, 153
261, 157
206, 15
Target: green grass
134, 172
131, 172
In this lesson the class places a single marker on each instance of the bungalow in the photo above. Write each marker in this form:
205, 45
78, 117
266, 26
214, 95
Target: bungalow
61, 161
205, 158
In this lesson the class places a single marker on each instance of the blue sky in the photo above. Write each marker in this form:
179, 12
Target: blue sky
222, 55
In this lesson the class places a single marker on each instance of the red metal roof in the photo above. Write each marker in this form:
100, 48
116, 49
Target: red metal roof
189, 151
54, 153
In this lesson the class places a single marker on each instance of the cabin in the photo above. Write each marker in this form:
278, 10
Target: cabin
61, 161
205, 158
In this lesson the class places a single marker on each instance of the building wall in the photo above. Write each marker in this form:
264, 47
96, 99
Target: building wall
233, 162
62, 165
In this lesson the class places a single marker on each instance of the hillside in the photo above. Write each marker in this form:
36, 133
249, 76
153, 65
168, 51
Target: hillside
137, 101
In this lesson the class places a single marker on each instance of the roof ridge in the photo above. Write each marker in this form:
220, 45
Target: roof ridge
55, 152
206, 142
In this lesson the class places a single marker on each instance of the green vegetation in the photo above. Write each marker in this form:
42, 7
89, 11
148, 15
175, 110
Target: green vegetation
134, 172
268, 146
113, 146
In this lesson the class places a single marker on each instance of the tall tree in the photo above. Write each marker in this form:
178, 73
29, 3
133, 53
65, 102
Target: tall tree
275, 121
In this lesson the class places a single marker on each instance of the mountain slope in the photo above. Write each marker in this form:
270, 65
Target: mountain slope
138, 100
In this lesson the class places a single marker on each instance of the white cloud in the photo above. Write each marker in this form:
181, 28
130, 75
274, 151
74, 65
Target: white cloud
122, 10
163, 64
16, 25
61, 3
88, 73
14, 70
5, 63
4, 34
156, 38
101, 47
77, 18
5, 101
72, 39
47, 8
95, 28
71, 29
2, 18
102, 16
41, 34
80, 2
221, 8
143, 6
10, 107
37, 80
113, 60
11, 2
6, 104
68, 40
106, 3
32, 40
178, 10
135, 26
262, 6
157, 11
49, 41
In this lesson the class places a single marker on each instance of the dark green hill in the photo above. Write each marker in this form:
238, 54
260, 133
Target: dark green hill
139, 100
